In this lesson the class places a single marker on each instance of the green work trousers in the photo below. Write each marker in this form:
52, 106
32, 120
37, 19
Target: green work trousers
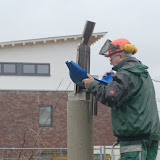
138, 150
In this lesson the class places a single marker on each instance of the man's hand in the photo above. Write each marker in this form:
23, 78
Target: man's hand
108, 72
87, 81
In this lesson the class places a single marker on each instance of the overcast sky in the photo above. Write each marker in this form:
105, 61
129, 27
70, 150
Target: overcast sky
136, 20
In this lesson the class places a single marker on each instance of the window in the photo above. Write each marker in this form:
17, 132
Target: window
45, 116
36, 69
29, 68
42, 69
25, 69
9, 68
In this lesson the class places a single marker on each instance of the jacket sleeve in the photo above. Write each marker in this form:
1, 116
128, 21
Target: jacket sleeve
114, 92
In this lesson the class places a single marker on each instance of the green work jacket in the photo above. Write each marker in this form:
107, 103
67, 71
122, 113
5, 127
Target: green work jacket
131, 96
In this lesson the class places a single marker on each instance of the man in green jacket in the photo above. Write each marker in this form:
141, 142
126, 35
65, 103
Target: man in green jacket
131, 96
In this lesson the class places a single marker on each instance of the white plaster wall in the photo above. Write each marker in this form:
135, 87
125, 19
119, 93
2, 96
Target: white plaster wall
54, 53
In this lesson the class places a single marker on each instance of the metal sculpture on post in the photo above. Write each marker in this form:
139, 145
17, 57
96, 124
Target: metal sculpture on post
83, 60
83, 50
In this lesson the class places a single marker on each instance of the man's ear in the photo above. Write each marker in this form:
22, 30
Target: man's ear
121, 56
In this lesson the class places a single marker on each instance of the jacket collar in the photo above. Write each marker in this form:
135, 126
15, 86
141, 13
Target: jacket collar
132, 60
119, 65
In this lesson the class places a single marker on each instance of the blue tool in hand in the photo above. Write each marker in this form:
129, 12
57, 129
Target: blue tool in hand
77, 74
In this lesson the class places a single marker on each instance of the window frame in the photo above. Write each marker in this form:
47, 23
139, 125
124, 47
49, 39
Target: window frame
36, 74
28, 73
19, 69
7, 73
43, 73
51, 116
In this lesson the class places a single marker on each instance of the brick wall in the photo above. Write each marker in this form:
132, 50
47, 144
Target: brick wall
19, 120
103, 134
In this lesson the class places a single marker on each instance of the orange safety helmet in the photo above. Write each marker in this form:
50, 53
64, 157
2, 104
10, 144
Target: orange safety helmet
117, 45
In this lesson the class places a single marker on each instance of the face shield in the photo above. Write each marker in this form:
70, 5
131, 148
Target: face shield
108, 48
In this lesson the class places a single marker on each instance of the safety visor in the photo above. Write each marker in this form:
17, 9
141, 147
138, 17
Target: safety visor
108, 46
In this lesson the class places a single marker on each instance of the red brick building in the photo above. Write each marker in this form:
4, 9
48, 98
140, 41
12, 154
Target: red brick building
20, 120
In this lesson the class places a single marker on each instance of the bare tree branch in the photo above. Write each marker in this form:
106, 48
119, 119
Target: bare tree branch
47, 119
155, 80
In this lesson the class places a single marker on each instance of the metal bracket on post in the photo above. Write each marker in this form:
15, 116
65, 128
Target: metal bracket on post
95, 106
93, 103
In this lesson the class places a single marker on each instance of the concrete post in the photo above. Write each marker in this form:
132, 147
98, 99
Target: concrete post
100, 153
104, 152
79, 131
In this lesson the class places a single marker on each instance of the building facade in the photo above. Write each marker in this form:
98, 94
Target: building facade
34, 92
